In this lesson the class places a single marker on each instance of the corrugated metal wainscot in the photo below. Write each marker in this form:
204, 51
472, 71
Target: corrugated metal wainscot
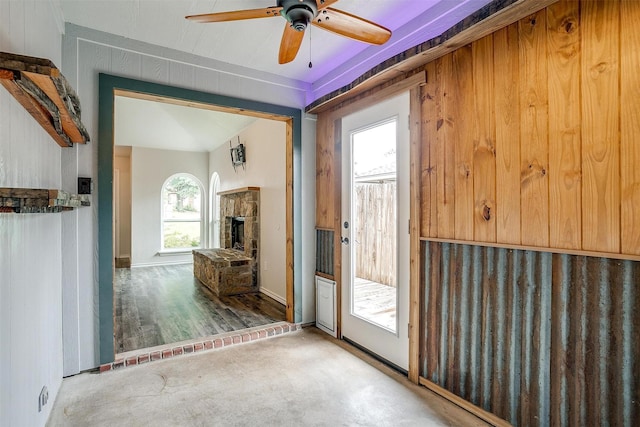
536, 338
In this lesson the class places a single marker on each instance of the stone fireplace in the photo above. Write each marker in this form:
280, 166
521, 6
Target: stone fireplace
240, 223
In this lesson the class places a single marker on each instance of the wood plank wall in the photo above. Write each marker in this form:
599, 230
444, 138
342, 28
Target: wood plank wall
530, 133
529, 139
529, 136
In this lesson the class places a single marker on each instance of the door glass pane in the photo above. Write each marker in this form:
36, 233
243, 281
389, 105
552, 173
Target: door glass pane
374, 291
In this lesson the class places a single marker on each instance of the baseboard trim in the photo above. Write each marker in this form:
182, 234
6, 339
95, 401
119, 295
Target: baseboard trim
156, 264
123, 262
274, 296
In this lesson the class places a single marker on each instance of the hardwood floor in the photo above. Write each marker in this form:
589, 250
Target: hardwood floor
165, 304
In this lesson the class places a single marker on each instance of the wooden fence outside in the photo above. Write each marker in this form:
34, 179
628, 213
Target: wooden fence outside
375, 232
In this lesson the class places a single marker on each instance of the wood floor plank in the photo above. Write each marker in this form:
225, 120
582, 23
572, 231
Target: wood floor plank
164, 304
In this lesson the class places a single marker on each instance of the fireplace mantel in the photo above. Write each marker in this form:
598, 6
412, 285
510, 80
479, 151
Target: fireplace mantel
238, 190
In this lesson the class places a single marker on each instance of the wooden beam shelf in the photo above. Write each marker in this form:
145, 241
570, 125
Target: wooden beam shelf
31, 200
43, 91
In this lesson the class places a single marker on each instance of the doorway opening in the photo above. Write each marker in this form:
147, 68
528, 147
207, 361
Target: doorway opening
110, 88
159, 301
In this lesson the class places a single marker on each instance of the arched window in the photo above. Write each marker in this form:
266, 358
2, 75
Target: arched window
214, 212
181, 212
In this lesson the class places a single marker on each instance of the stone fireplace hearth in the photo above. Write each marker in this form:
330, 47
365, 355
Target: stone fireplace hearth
233, 269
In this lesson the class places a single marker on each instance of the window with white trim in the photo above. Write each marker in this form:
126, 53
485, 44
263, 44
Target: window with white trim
214, 211
181, 212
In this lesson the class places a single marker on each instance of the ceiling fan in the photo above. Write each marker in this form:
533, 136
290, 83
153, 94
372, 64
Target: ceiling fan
299, 13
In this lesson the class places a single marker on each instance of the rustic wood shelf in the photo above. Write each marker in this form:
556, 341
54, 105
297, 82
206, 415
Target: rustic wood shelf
32, 200
43, 91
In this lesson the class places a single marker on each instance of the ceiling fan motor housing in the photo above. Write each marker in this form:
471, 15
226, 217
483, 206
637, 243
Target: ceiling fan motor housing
298, 12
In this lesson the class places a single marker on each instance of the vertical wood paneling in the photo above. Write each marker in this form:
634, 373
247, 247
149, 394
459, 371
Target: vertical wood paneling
325, 176
506, 81
484, 159
182, 75
431, 139
459, 104
564, 333
30, 245
600, 126
630, 126
206, 79
155, 69
444, 151
565, 191
534, 150
335, 126
566, 122
124, 62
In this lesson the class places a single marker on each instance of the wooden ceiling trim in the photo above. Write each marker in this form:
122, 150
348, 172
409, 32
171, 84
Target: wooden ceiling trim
379, 93
199, 105
492, 17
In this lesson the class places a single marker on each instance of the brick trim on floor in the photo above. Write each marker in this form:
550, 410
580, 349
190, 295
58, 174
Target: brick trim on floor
199, 345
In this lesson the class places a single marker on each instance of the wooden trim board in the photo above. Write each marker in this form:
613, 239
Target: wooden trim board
490, 18
467, 406
415, 291
238, 190
629, 257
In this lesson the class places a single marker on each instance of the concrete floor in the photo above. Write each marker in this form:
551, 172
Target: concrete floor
304, 378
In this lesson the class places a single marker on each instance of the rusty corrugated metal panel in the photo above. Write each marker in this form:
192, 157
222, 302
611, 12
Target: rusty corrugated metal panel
536, 338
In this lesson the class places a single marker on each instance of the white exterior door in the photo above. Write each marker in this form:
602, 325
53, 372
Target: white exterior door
375, 234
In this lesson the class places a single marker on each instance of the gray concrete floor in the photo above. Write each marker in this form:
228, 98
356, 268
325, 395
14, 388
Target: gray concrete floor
304, 378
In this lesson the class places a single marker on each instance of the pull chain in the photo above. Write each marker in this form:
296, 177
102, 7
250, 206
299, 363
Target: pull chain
310, 63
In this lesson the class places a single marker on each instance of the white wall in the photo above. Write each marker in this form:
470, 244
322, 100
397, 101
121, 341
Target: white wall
30, 245
85, 54
265, 145
150, 168
122, 162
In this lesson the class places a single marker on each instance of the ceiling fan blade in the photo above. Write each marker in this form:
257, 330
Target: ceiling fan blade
351, 26
236, 15
290, 44
323, 4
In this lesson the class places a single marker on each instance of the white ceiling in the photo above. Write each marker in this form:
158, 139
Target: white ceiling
254, 44
151, 124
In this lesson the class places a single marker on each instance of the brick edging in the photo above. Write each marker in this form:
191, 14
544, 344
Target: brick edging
198, 346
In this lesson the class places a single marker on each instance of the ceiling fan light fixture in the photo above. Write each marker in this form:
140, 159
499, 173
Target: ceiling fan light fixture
299, 12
